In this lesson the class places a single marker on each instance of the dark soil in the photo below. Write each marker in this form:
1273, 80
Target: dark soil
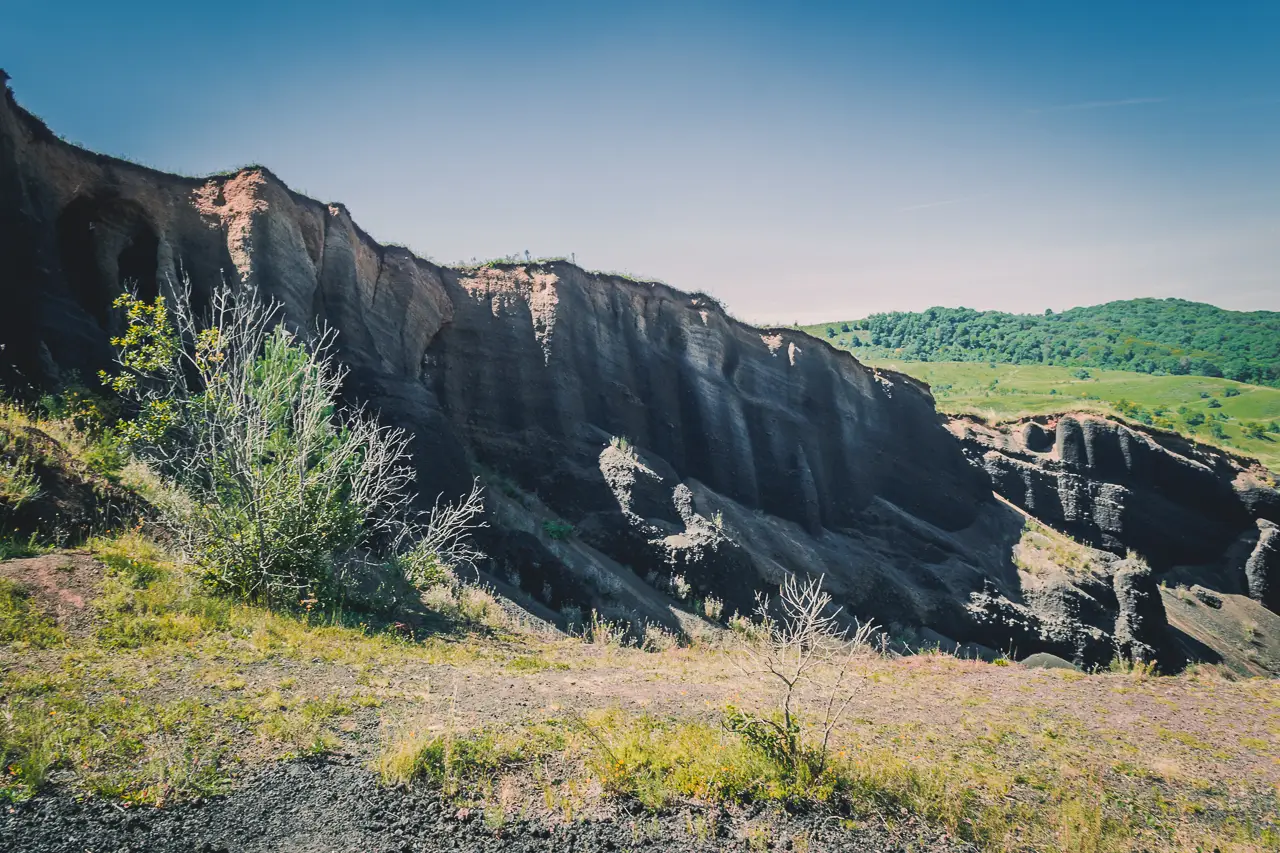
335, 805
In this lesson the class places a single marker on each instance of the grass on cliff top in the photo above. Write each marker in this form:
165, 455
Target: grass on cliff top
1214, 411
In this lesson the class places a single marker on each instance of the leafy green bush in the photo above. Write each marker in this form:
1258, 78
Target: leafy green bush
1253, 429
557, 529
278, 485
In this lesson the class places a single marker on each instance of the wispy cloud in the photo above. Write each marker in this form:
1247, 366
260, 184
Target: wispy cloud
1098, 105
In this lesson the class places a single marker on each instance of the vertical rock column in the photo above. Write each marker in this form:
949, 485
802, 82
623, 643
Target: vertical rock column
1262, 569
1141, 623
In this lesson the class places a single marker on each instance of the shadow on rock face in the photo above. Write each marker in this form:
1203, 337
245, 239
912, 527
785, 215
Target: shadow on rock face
107, 245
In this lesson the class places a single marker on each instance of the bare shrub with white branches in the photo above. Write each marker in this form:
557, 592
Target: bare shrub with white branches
277, 480
813, 658
441, 542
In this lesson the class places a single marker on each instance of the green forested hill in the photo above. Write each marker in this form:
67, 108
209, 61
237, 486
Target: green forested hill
1153, 336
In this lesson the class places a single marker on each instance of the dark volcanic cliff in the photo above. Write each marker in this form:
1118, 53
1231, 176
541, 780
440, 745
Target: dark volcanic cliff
1191, 511
694, 456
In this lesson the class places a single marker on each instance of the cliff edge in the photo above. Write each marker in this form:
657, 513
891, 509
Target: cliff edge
647, 455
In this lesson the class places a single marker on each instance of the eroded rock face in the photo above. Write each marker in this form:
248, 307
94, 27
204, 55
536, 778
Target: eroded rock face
524, 371
1262, 569
748, 453
1115, 487
1141, 626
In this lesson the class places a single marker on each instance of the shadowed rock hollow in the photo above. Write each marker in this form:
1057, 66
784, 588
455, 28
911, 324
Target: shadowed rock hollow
644, 451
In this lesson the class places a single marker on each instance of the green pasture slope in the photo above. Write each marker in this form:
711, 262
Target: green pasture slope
1246, 418
1178, 365
1240, 417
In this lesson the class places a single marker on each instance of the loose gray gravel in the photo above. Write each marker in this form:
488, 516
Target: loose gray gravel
335, 805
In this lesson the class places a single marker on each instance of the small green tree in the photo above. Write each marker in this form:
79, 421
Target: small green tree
277, 483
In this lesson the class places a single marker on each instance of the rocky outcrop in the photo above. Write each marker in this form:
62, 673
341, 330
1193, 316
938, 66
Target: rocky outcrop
808, 460
647, 454
1262, 569
1141, 627
1115, 486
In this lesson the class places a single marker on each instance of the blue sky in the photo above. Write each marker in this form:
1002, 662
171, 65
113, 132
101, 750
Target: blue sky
802, 161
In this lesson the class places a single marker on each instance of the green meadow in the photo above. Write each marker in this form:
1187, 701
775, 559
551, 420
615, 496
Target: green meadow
1242, 418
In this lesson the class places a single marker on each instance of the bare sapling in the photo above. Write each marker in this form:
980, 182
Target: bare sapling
814, 659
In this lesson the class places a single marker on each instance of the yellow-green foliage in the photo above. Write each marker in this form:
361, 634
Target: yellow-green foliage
146, 599
453, 762
117, 745
658, 762
21, 622
150, 599
968, 791
96, 715
18, 483
1042, 549
533, 663
300, 723
79, 424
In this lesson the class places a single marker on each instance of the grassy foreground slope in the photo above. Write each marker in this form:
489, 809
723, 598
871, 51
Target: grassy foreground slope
154, 692
125, 679
1243, 418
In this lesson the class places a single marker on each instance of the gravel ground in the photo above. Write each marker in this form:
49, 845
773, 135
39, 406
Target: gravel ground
335, 805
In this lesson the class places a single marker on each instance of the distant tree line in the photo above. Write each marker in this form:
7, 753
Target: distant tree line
1158, 336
